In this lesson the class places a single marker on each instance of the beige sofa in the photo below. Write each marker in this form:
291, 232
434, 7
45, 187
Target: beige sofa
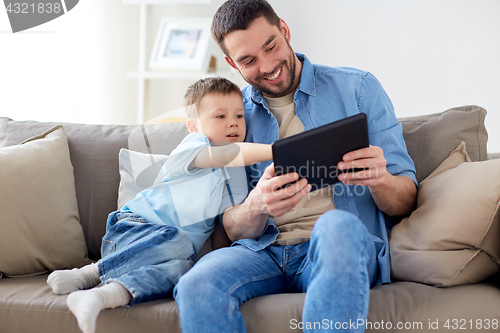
28, 305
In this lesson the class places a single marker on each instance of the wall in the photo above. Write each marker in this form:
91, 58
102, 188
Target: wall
430, 55
71, 69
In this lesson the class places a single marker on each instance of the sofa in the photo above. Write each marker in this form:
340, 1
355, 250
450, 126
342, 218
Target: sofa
27, 304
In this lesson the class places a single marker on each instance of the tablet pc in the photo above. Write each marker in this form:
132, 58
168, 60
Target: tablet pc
314, 154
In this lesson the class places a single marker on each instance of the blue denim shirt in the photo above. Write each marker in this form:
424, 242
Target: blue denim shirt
324, 95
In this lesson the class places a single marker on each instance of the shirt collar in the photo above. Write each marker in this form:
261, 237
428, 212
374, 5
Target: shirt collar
306, 84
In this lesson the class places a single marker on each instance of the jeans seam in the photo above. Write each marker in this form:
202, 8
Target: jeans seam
234, 287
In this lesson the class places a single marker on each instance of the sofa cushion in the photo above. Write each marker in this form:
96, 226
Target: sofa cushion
430, 138
94, 154
39, 219
28, 305
453, 236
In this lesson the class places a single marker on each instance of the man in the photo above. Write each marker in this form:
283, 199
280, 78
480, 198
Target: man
332, 243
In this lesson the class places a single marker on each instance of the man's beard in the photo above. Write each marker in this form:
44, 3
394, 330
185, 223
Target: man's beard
288, 85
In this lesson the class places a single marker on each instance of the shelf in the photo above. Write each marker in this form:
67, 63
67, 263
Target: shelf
159, 75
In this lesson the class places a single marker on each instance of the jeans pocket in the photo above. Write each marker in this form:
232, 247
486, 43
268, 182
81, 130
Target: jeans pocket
107, 247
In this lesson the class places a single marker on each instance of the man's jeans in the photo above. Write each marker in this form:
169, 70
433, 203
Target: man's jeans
146, 259
336, 268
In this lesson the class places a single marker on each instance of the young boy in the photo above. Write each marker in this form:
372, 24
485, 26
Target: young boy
151, 241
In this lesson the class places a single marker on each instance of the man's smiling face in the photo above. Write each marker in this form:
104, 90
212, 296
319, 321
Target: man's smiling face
264, 58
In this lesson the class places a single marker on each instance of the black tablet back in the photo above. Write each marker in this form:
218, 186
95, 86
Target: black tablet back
314, 154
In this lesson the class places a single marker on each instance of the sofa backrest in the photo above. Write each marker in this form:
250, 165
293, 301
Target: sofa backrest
94, 153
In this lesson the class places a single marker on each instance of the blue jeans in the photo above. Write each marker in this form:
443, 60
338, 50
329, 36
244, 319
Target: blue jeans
336, 268
146, 259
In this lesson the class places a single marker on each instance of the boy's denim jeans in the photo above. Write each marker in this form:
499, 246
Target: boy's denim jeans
336, 268
146, 259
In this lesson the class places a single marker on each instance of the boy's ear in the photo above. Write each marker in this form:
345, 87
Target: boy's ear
191, 126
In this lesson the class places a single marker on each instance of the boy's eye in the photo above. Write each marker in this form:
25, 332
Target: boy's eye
220, 117
239, 116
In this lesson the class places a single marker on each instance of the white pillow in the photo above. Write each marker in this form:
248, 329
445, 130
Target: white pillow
137, 172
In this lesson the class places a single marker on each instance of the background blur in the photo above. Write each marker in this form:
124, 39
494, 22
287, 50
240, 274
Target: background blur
430, 55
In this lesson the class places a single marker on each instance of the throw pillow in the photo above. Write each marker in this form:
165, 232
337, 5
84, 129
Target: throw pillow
430, 138
452, 236
40, 229
137, 172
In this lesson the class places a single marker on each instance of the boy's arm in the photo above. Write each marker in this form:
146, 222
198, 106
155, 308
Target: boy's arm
232, 155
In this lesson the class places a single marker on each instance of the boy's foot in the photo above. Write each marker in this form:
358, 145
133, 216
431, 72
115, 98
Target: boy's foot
86, 304
67, 281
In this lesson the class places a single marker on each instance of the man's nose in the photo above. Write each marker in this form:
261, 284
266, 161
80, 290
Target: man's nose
267, 66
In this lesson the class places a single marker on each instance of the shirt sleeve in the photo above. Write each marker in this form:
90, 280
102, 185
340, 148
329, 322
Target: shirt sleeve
384, 130
182, 156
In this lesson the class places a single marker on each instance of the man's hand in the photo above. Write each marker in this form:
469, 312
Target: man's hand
372, 159
394, 195
248, 219
275, 199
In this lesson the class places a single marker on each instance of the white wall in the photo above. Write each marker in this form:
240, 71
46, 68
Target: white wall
430, 55
71, 69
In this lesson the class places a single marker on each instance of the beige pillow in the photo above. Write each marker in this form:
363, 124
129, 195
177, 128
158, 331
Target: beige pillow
453, 237
39, 221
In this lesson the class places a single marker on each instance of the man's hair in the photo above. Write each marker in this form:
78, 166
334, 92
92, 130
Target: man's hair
237, 15
201, 88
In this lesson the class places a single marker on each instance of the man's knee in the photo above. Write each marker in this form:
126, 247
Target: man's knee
339, 226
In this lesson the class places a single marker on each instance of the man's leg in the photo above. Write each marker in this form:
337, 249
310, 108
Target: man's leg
341, 270
210, 294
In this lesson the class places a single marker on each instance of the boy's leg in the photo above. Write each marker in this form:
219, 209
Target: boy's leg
69, 280
342, 267
210, 294
144, 258
87, 304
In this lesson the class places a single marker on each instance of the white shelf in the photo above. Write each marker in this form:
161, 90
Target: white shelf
143, 73
163, 2
163, 75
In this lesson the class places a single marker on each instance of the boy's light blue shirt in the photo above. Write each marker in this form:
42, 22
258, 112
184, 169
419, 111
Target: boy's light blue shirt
188, 199
324, 95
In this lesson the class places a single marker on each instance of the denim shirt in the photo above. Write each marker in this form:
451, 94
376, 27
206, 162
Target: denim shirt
324, 95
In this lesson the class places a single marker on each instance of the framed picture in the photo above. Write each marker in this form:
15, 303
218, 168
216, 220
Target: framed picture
182, 44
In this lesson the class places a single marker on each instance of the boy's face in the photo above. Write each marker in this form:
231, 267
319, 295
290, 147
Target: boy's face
221, 118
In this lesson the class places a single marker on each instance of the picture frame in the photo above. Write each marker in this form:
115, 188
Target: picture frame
182, 44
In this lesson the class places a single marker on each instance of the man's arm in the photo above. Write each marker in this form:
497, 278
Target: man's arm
232, 155
394, 195
249, 219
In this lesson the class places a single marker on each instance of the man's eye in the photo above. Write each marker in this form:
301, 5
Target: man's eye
272, 47
249, 63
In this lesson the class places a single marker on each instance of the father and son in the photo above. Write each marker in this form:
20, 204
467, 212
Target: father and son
331, 244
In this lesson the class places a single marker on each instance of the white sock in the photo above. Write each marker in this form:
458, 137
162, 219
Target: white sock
86, 304
67, 281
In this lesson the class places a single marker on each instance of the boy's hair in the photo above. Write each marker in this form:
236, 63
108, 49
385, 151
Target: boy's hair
201, 88
237, 15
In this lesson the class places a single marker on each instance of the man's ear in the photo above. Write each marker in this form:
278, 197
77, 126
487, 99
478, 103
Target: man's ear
230, 62
286, 30
191, 126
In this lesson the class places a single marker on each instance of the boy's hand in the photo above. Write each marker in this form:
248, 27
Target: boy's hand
271, 198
